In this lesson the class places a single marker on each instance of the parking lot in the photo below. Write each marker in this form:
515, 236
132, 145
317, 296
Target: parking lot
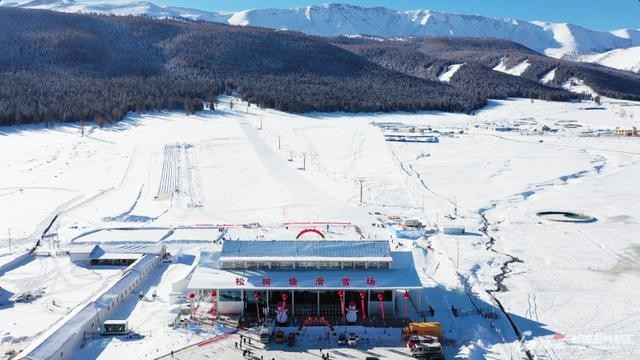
373, 342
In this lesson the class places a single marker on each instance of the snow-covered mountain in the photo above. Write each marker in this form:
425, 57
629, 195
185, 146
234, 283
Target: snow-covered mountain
560, 40
122, 7
623, 59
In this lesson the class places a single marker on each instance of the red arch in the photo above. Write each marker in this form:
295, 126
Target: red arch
310, 230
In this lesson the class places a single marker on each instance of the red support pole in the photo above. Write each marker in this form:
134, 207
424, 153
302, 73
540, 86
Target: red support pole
380, 297
341, 295
214, 307
258, 310
364, 311
406, 303
257, 297
192, 297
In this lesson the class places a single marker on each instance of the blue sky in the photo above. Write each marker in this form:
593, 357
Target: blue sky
594, 14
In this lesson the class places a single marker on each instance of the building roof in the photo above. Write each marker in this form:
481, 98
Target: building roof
113, 256
98, 251
305, 250
209, 275
64, 332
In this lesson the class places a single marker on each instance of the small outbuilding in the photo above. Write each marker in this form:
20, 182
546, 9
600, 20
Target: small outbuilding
115, 327
453, 230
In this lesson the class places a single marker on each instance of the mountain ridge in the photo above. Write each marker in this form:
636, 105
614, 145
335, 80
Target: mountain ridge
559, 40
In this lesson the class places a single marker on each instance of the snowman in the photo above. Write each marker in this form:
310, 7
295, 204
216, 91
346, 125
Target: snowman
352, 312
281, 313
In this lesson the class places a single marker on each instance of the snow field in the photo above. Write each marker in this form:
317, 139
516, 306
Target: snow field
568, 273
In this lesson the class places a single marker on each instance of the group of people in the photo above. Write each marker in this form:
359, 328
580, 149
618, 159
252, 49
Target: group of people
249, 353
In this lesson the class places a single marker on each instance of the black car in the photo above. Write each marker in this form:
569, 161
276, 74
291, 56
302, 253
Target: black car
291, 340
342, 339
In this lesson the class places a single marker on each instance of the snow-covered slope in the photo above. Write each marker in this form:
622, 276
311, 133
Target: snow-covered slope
451, 70
623, 59
548, 77
517, 70
557, 40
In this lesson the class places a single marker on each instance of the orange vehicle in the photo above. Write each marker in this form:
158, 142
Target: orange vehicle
422, 329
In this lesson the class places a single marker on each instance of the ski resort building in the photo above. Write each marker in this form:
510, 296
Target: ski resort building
314, 278
64, 339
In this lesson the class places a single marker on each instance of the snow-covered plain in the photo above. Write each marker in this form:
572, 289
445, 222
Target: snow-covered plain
572, 293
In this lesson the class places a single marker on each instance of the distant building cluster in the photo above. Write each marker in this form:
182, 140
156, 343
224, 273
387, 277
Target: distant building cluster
626, 132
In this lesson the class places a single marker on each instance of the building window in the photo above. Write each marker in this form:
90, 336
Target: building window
330, 265
361, 265
251, 265
347, 265
230, 295
306, 265
282, 265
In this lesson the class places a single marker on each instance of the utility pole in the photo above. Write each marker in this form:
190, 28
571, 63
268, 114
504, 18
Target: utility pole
304, 161
457, 255
279, 142
361, 190
455, 208
260, 124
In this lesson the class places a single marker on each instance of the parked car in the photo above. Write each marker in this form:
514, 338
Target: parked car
342, 339
352, 340
291, 340
371, 358
279, 337
425, 347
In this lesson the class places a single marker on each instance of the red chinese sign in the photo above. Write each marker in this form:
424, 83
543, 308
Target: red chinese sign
319, 281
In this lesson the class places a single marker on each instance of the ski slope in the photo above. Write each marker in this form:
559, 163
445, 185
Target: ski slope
516, 70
